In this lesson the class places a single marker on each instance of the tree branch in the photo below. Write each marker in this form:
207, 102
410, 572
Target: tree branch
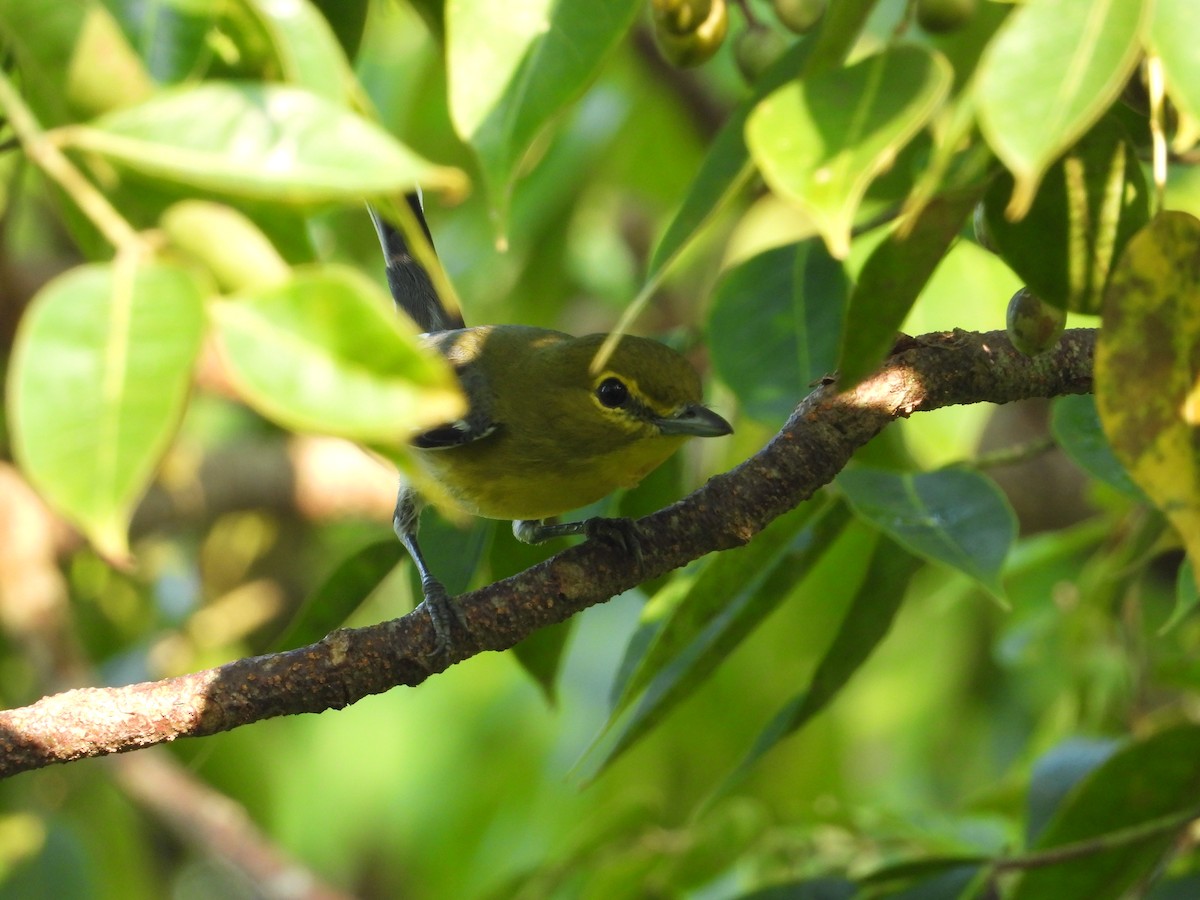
923, 373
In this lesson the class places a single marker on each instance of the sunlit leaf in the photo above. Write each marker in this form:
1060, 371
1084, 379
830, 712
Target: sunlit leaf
513, 66
227, 243
821, 141
325, 353
1146, 368
1053, 68
1143, 782
891, 280
100, 373
954, 517
259, 141
1091, 202
1172, 31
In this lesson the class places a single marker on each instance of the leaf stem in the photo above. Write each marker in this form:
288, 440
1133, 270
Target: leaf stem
54, 163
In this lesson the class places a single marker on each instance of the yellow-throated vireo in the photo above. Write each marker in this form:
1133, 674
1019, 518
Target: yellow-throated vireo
546, 431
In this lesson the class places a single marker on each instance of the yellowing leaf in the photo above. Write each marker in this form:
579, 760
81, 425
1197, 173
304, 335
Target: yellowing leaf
1147, 362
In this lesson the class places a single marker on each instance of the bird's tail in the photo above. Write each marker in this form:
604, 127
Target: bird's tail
409, 282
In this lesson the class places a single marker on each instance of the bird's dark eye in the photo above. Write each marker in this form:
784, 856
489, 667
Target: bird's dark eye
612, 392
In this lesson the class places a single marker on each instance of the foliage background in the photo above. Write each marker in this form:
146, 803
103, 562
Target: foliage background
471, 785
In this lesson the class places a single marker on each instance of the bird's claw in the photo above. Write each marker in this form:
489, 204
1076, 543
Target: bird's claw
621, 533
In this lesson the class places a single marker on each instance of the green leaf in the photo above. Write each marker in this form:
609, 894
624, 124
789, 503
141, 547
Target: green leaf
1143, 783
819, 143
1076, 427
821, 291
1146, 364
101, 368
891, 280
74, 60
305, 47
340, 594
1173, 29
1051, 71
258, 141
513, 66
752, 334
230, 246
1056, 773
1091, 202
700, 620
171, 36
1187, 596
726, 166
325, 353
865, 624
955, 517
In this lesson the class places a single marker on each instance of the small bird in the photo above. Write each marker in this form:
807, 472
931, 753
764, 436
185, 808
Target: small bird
546, 431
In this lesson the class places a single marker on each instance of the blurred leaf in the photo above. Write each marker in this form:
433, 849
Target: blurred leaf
541, 655
702, 619
340, 594
1142, 783
171, 36
955, 517
1076, 427
1049, 74
348, 19
820, 142
1174, 25
227, 243
324, 353
808, 889
752, 334
1055, 775
891, 280
1146, 355
101, 368
939, 876
259, 141
513, 66
1187, 596
75, 61
1090, 203
306, 47
865, 624
726, 166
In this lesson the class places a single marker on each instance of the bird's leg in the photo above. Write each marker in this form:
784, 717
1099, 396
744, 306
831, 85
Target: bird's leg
437, 601
621, 533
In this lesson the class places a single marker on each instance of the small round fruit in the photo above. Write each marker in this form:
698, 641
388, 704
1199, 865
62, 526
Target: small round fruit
942, 16
1034, 326
680, 16
698, 46
756, 48
799, 16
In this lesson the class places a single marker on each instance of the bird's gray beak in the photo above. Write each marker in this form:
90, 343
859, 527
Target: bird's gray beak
694, 420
